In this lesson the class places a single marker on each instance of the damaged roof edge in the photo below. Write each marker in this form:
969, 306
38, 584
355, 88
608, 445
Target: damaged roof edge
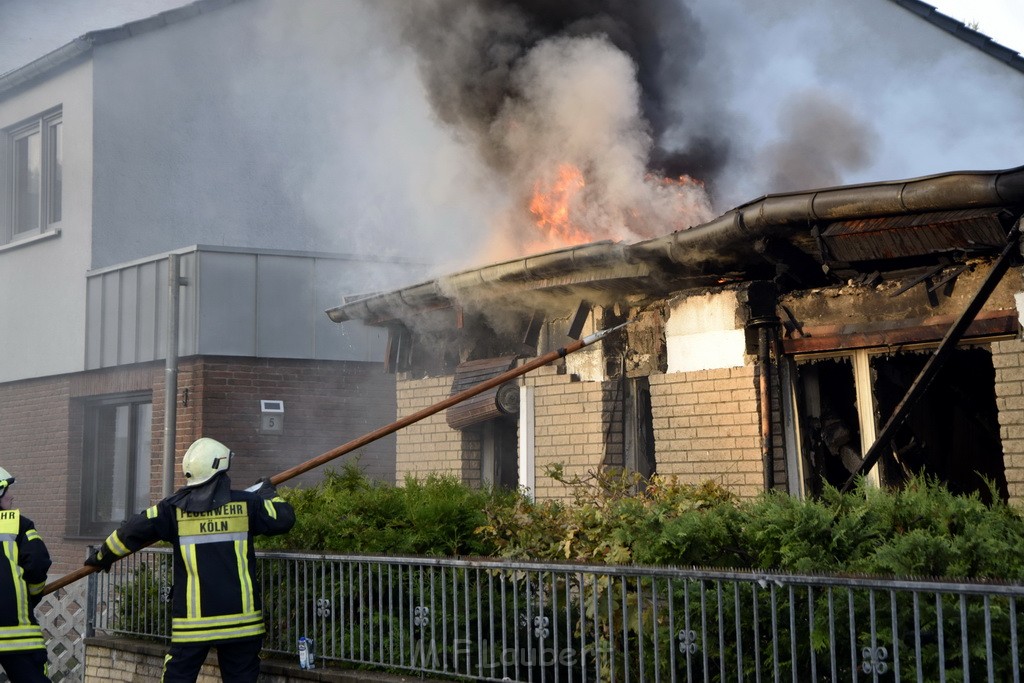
762, 217
438, 292
948, 191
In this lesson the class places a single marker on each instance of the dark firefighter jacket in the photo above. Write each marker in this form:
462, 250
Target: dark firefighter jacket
215, 596
22, 579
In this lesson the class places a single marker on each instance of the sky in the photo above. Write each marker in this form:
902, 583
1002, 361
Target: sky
30, 29
1000, 20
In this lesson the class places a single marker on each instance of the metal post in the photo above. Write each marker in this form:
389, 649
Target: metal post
171, 376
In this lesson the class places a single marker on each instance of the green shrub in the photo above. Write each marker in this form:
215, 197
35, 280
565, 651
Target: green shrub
614, 517
348, 513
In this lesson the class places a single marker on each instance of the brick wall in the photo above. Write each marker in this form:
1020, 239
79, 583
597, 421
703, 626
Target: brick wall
706, 426
1008, 360
577, 424
34, 437
326, 405
430, 445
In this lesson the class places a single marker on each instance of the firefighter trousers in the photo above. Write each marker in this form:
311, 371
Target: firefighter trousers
239, 660
25, 666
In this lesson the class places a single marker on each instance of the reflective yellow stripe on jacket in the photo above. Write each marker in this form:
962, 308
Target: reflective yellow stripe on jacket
25, 635
227, 524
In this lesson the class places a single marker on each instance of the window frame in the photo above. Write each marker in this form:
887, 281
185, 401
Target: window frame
50, 203
89, 524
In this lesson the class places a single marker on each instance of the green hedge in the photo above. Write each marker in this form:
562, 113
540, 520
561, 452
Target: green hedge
349, 513
613, 517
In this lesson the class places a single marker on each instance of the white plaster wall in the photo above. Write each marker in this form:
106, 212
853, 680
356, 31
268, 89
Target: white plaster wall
42, 283
702, 333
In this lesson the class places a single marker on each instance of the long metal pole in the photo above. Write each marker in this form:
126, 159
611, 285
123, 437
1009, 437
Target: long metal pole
396, 425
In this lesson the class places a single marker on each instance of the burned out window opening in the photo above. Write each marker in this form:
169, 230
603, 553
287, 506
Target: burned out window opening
831, 437
953, 431
952, 434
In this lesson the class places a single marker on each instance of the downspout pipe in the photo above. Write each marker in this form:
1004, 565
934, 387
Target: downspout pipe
762, 325
765, 389
174, 281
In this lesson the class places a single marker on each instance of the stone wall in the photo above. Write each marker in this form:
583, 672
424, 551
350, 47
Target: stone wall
121, 660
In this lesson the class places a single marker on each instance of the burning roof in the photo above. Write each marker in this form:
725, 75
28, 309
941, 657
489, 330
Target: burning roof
800, 236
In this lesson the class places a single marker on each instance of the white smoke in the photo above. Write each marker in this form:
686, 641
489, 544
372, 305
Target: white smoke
578, 103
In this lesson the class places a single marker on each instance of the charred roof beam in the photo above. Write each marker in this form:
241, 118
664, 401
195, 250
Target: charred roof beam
790, 263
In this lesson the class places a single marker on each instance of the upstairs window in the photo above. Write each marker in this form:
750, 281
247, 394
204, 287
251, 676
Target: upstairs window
34, 176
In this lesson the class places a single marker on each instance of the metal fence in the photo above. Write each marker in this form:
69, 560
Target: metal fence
528, 621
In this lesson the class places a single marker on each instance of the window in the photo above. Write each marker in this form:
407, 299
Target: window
34, 184
952, 433
116, 461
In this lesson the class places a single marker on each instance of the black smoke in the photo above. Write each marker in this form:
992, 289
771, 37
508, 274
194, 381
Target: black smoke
470, 51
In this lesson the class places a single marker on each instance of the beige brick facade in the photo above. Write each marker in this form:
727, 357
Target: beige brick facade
706, 426
430, 445
1008, 360
577, 425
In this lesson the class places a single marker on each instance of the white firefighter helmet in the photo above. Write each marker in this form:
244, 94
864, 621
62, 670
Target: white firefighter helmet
203, 459
5, 481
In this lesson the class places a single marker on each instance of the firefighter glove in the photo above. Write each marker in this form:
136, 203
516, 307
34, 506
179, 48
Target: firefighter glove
100, 558
266, 488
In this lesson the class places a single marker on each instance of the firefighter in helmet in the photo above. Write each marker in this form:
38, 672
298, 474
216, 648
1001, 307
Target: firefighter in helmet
22, 579
215, 599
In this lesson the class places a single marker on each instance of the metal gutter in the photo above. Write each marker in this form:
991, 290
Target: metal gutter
770, 215
442, 291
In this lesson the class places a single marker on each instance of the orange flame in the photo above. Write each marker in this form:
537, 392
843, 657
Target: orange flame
560, 209
553, 206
